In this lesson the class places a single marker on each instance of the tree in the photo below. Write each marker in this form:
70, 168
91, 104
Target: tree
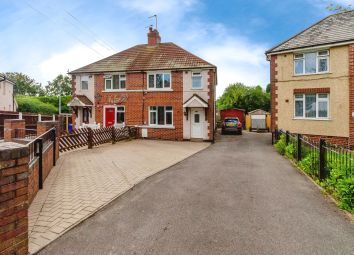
268, 88
61, 85
240, 96
25, 85
337, 8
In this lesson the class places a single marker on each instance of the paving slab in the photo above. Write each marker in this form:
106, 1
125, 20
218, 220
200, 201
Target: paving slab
86, 180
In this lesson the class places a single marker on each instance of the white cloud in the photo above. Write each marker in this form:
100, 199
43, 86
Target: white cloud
70, 59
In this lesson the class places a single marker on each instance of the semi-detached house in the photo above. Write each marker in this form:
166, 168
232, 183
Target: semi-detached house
160, 87
312, 81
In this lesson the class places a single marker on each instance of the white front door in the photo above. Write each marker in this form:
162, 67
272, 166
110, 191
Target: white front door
198, 118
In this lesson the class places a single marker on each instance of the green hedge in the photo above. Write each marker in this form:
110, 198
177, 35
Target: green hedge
42, 104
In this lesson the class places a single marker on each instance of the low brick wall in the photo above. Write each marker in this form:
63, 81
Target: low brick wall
33, 180
13, 198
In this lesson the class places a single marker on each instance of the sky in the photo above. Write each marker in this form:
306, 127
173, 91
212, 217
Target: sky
44, 38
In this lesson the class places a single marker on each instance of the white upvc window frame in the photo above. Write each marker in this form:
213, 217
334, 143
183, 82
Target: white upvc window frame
163, 73
84, 78
318, 100
121, 77
197, 74
151, 110
121, 111
319, 56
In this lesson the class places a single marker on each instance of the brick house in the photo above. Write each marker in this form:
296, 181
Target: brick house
160, 87
312, 81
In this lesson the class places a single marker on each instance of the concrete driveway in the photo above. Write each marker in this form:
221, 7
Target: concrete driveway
236, 197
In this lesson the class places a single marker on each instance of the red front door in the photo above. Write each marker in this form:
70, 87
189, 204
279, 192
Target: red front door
109, 117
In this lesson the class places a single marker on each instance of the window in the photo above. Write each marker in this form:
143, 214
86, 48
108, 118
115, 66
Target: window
196, 80
311, 106
161, 115
311, 62
120, 115
84, 83
159, 81
85, 115
115, 82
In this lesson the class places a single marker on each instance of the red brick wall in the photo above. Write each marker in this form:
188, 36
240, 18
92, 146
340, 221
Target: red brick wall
137, 103
33, 181
312, 90
273, 93
351, 95
14, 203
10, 127
335, 140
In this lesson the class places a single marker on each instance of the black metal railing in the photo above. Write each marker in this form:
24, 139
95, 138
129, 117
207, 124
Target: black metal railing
36, 149
317, 158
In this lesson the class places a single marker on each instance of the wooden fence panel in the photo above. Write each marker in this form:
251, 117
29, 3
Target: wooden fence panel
78, 139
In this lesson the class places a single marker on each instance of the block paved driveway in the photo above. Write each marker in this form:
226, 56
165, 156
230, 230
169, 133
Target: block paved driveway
84, 181
236, 197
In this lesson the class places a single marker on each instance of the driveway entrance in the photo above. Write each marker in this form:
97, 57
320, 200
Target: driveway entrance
239, 196
84, 181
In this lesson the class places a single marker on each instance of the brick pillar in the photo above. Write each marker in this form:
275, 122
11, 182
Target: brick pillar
351, 95
10, 127
44, 126
13, 198
273, 92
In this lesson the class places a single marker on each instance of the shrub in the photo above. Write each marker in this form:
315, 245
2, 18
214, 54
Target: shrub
34, 105
309, 163
281, 145
42, 104
345, 192
290, 150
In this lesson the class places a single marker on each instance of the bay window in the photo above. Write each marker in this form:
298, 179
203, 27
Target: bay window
311, 106
161, 115
159, 81
311, 62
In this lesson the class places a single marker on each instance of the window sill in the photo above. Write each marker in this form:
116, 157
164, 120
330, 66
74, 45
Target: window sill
157, 127
309, 74
114, 90
159, 90
316, 119
197, 88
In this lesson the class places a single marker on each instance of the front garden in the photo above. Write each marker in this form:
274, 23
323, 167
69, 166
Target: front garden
332, 167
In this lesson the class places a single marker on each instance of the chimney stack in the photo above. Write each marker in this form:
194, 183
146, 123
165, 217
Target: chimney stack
153, 37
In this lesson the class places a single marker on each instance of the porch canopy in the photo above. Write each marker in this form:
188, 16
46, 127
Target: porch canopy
195, 102
80, 101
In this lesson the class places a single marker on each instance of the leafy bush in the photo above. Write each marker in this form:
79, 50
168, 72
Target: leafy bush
290, 150
281, 145
345, 192
42, 104
309, 163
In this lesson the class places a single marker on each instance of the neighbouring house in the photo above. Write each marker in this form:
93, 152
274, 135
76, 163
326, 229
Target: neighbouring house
312, 81
160, 87
7, 95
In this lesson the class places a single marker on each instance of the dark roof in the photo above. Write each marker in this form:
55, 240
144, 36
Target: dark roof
80, 100
335, 28
164, 56
84, 100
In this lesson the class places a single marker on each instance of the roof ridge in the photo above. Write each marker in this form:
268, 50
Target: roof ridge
308, 28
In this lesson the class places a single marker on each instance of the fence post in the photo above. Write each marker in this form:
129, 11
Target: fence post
54, 139
276, 135
113, 135
322, 162
286, 137
39, 154
90, 138
299, 152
